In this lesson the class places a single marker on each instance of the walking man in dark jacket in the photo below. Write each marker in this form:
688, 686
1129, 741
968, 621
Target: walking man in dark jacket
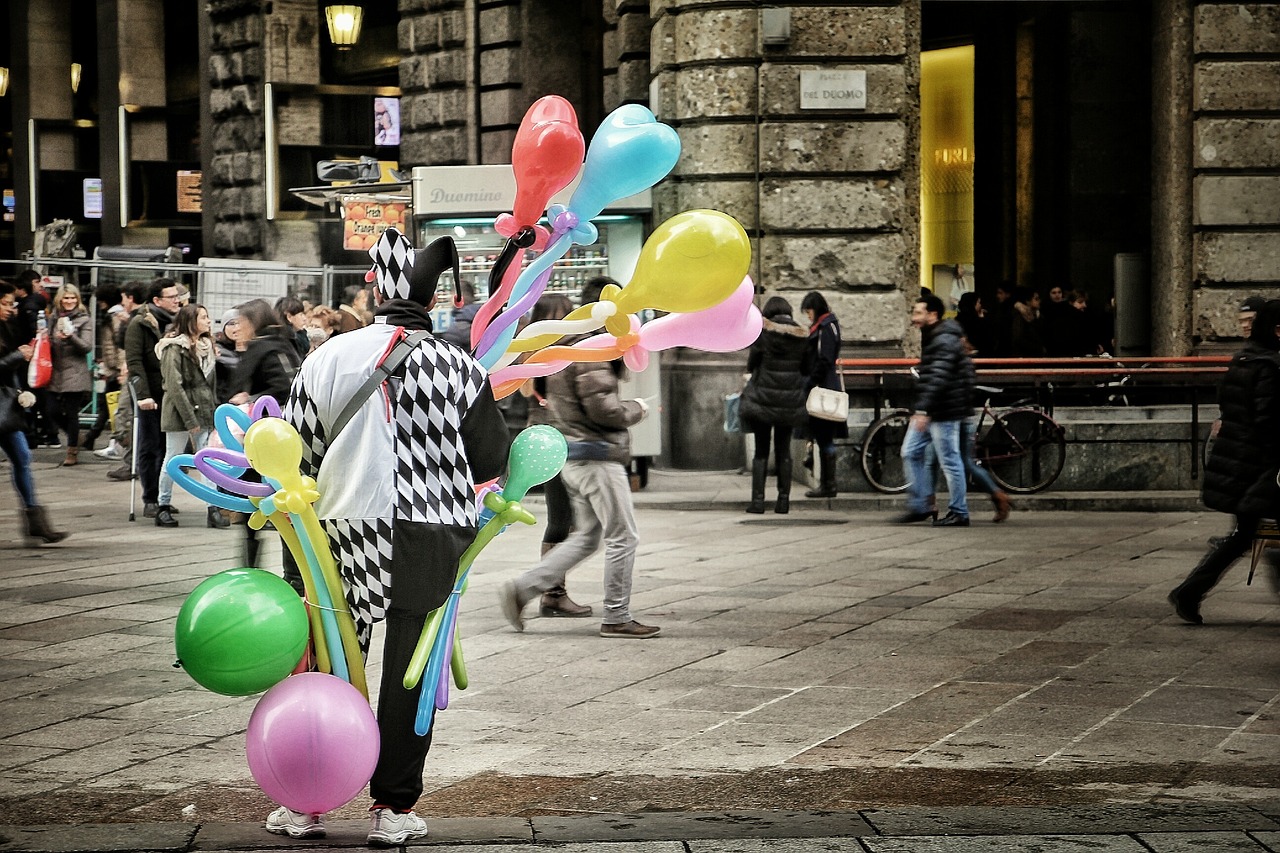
944, 399
145, 328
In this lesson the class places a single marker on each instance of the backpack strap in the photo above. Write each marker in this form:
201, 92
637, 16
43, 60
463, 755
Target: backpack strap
380, 374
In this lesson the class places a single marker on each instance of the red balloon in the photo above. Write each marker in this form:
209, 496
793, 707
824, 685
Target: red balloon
546, 156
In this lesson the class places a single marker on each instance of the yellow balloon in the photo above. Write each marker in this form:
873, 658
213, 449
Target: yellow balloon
694, 260
274, 448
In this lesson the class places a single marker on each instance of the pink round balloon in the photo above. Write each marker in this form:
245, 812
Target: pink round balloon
312, 742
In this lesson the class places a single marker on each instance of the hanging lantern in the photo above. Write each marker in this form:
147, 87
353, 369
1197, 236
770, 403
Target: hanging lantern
75, 77
344, 24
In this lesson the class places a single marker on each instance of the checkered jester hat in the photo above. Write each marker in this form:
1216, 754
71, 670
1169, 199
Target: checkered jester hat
403, 272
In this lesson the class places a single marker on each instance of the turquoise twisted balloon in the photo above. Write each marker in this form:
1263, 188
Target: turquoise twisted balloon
537, 454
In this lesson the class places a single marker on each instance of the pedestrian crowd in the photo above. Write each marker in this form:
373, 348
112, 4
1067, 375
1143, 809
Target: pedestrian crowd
147, 352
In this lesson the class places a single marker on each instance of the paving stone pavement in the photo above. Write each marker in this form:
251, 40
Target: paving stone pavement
822, 666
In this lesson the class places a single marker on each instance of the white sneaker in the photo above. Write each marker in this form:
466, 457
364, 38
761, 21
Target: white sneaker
285, 821
388, 828
111, 451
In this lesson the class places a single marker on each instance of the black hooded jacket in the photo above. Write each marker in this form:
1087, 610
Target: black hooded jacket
944, 391
266, 367
779, 362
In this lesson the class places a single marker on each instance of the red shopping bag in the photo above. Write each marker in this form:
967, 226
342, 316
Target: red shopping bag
40, 370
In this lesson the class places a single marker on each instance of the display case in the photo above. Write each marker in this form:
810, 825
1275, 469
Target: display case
479, 245
463, 202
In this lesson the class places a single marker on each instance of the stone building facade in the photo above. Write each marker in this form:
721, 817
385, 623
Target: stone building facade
829, 198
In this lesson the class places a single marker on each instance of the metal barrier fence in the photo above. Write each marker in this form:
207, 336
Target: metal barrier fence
218, 284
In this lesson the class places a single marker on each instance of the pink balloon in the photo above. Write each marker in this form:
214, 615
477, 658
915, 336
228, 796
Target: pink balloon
312, 742
731, 325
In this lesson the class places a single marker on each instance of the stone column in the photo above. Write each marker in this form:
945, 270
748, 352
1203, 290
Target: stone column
1236, 161
40, 88
439, 105
829, 197
1171, 177
234, 195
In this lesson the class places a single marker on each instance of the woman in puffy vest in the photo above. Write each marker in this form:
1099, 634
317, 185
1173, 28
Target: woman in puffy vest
772, 404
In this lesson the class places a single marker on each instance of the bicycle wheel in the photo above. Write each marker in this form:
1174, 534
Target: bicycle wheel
882, 453
1024, 450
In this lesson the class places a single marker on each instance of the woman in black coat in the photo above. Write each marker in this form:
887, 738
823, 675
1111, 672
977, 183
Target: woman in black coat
773, 402
1240, 477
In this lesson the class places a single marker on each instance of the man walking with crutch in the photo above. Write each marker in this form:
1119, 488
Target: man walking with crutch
145, 329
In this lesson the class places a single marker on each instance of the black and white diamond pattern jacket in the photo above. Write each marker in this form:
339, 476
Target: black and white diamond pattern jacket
396, 495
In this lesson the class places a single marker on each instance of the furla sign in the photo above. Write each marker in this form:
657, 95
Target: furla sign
826, 89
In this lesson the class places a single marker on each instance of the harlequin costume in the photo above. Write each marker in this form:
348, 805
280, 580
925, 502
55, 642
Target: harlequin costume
396, 496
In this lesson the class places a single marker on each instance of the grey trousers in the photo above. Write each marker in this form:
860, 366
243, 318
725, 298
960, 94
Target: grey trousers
602, 510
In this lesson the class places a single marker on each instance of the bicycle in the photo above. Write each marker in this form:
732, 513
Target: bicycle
1023, 449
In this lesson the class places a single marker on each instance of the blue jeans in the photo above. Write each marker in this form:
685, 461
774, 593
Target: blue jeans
944, 436
175, 443
981, 477
14, 445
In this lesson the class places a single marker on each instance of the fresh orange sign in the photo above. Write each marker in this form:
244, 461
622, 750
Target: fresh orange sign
364, 221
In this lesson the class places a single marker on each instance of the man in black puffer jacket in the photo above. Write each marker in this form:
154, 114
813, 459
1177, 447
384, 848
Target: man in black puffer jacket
944, 399
1241, 475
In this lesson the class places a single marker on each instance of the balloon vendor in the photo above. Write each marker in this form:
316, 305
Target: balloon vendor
396, 425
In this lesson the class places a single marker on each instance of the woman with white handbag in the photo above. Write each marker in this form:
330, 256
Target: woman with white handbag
827, 402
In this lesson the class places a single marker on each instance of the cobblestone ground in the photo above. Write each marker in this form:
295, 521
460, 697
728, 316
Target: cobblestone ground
821, 660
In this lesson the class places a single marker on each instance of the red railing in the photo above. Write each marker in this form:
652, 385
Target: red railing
1040, 373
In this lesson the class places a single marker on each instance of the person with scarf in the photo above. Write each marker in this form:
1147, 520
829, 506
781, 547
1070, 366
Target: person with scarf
824, 350
397, 496
14, 399
188, 360
1240, 477
145, 329
70, 339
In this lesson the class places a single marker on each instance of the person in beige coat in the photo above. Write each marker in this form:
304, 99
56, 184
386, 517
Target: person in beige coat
71, 340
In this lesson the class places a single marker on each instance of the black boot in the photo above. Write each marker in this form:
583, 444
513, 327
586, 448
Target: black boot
1186, 596
38, 527
759, 470
783, 505
251, 549
827, 478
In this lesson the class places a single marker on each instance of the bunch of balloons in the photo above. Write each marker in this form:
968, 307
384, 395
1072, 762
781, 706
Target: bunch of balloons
537, 454
284, 497
691, 264
312, 741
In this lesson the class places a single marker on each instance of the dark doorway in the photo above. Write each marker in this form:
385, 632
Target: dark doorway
1062, 133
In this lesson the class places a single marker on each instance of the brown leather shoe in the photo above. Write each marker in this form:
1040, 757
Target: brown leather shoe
1003, 505
632, 630
560, 604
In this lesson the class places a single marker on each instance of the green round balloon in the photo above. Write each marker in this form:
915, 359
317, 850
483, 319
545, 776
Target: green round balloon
537, 455
241, 632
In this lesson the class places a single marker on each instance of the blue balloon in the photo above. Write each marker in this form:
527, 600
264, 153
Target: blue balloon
630, 152
202, 490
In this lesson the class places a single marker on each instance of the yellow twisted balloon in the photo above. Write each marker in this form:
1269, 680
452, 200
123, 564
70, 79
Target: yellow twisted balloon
274, 448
